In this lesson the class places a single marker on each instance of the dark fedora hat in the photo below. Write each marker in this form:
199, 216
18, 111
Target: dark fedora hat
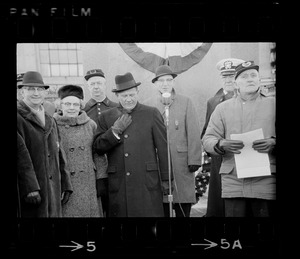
33, 78
94, 72
70, 90
245, 66
124, 82
162, 71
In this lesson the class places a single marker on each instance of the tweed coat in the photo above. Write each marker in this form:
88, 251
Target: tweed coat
137, 163
77, 136
239, 116
215, 203
50, 176
185, 144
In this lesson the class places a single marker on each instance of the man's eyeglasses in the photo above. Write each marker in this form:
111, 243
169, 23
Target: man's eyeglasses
32, 89
168, 81
76, 105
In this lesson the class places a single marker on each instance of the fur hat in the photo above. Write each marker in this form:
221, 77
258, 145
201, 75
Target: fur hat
70, 90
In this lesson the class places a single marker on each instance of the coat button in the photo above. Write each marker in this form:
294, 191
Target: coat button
126, 136
128, 173
72, 172
82, 147
126, 154
71, 149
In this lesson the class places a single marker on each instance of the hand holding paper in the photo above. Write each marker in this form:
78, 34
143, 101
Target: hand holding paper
264, 145
250, 163
233, 146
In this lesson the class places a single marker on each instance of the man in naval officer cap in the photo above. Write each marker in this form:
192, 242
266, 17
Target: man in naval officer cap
215, 206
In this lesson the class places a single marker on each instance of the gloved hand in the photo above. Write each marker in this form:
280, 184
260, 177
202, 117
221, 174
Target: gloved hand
264, 145
102, 187
232, 146
65, 196
193, 168
121, 124
33, 198
165, 187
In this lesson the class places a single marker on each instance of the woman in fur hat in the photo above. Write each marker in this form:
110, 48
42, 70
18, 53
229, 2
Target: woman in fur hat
77, 131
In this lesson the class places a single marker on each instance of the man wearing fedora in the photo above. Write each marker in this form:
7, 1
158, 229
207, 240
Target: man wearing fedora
247, 111
184, 136
226, 67
47, 184
98, 103
134, 138
49, 106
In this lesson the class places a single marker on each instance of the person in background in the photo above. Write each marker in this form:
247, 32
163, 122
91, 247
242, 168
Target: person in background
184, 136
134, 138
43, 179
226, 67
98, 103
77, 131
249, 110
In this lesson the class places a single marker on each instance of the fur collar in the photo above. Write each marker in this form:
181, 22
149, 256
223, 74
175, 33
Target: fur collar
82, 118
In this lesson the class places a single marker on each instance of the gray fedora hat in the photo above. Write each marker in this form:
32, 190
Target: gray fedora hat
33, 78
162, 71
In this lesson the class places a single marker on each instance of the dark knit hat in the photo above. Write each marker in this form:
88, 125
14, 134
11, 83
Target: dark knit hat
245, 66
70, 90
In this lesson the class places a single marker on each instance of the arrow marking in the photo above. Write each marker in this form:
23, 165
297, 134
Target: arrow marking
210, 245
77, 246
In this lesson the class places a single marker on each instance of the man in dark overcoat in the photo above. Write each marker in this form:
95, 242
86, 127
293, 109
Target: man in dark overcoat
215, 204
46, 184
98, 103
134, 138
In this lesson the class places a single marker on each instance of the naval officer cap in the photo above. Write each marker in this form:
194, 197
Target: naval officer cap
227, 66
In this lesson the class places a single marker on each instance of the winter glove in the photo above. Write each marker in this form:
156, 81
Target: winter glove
193, 168
231, 146
264, 145
65, 197
33, 198
102, 187
121, 124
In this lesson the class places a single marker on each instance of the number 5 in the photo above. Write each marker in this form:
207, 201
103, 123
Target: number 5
224, 242
92, 245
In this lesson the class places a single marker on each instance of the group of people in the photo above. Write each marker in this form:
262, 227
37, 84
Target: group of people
138, 159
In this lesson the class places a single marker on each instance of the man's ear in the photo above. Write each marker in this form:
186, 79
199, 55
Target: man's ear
235, 85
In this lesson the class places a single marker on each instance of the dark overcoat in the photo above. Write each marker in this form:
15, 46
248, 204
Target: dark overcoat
215, 204
93, 108
50, 176
136, 163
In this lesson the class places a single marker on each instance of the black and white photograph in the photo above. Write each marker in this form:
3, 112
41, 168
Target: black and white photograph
146, 129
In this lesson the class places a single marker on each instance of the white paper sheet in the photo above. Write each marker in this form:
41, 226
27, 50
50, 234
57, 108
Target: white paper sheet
250, 163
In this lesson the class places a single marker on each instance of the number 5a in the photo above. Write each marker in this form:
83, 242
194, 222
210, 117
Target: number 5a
91, 246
